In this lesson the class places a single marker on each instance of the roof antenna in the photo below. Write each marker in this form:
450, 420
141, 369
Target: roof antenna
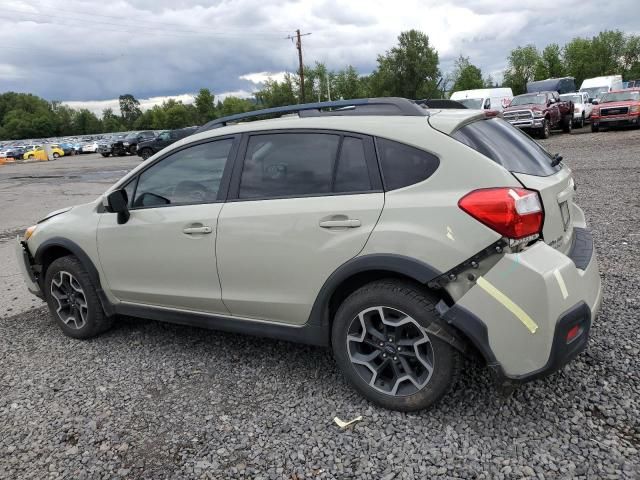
426, 101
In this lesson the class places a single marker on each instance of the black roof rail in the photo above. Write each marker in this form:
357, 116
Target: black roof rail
440, 103
391, 106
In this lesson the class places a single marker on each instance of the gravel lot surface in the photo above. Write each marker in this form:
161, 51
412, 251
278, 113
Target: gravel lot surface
151, 400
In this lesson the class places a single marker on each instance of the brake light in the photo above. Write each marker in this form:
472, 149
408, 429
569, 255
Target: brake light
573, 333
512, 212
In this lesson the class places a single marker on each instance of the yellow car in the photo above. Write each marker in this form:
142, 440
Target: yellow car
37, 153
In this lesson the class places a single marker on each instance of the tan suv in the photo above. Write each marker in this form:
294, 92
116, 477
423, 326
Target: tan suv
400, 236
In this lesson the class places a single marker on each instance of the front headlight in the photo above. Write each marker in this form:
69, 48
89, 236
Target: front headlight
538, 114
634, 109
126, 144
28, 233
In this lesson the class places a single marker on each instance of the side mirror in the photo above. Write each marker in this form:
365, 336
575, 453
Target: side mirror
118, 202
594, 101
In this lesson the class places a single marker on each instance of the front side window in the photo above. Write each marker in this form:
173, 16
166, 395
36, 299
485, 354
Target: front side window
288, 164
188, 176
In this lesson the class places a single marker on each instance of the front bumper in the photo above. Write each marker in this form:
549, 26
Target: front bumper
26, 267
617, 120
534, 123
520, 313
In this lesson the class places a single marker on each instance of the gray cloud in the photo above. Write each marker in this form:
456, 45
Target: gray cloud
88, 50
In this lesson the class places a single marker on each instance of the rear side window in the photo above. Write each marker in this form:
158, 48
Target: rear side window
403, 165
352, 174
288, 164
507, 146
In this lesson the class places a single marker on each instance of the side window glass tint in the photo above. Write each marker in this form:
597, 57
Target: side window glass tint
189, 176
130, 189
352, 174
403, 165
288, 164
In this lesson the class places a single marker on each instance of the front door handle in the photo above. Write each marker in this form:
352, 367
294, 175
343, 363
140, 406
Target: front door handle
197, 230
346, 223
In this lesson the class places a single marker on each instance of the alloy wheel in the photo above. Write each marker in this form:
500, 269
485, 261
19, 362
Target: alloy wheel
72, 301
390, 351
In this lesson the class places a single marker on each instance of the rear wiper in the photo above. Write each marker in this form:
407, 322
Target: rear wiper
557, 158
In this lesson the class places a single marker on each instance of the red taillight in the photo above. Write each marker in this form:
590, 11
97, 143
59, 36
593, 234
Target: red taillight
512, 212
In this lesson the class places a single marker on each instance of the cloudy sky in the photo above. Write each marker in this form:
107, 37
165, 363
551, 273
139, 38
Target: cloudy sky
87, 52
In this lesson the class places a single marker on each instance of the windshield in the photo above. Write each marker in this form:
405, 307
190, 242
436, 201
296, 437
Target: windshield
473, 103
529, 99
573, 98
620, 97
595, 92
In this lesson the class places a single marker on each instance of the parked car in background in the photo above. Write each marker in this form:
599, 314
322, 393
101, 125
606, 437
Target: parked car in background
112, 145
129, 144
90, 147
67, 148
597, 86
12, 152
560, 85
39, 153
149, 147
484, 98
581, 107
633, 84
539, 113
615, 109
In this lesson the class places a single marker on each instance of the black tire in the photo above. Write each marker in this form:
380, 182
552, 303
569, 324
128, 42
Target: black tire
545, 131
417, 306
146, 153
132, 149
582, 120
86, 319
56, 155
105, 154
595, 128
567, 124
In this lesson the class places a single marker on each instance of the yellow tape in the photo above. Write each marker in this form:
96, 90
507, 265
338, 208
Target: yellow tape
508, 304
561, 284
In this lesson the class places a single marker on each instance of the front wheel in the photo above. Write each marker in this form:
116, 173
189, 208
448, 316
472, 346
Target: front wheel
380, 342
73, 300
56, 155
105, 155
595, 128
545, 131
146, 153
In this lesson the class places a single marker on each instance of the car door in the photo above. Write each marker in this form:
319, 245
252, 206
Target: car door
301, 204
164, 255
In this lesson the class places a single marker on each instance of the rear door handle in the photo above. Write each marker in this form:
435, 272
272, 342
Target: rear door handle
195, 230
347, 223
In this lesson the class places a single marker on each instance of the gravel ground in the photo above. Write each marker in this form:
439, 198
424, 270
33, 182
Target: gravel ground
151, 400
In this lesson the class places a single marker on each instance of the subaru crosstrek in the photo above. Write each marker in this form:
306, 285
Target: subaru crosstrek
402, 237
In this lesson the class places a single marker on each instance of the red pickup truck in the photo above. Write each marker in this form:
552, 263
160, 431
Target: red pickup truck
540, 112
618, 108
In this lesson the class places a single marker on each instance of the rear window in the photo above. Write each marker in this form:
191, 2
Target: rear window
507, 146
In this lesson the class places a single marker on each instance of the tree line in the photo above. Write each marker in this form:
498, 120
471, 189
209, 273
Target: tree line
410, 69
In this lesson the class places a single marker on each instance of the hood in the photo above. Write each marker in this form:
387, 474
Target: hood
526, 106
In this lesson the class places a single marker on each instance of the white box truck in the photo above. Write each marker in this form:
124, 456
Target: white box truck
596, 86
484, 98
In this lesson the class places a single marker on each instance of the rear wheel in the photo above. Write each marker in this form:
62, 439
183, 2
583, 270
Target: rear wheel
381, 344
567, 124
146, 153
73, 300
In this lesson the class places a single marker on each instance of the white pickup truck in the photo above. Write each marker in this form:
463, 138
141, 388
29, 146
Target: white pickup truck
581, 107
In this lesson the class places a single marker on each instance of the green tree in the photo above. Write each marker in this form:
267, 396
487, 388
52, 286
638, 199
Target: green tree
550, 64
233, 105
277, 94
129, 109
408, 70
86, 122
111, 122
205, 105
521, 66
348, 84
466, 76
578, 59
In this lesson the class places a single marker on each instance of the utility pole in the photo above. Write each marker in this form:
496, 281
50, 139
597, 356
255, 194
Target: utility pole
298, 38
299, 47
